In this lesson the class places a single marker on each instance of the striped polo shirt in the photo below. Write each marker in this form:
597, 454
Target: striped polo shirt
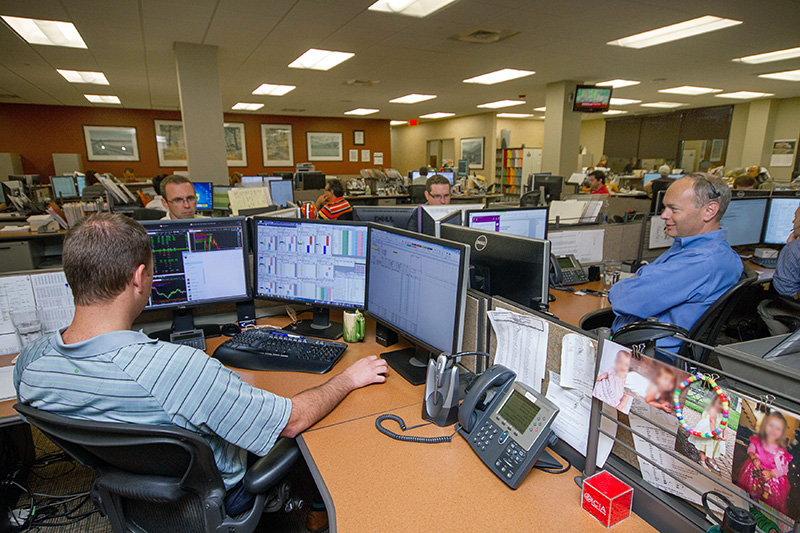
335, 209
125, 376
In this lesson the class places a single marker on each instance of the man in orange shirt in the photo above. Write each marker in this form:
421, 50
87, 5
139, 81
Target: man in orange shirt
332, 204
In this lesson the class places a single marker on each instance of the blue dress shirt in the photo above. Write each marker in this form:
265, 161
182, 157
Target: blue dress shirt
787, 273
679, 286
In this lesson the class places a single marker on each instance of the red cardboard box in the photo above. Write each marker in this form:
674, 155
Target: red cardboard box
606, 498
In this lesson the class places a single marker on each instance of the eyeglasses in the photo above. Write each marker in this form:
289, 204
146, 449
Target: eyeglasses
187, 200
440, 196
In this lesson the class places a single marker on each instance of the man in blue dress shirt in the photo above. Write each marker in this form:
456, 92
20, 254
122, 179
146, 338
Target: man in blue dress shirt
786, 282
679, 286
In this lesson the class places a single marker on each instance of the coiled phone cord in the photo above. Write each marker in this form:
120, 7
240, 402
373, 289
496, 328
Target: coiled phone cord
409, 438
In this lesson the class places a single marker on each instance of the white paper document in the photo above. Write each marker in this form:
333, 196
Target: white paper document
566, 211
577, 362
521, 345
248, 198
9, 344
572, 423
53, 295
16, 292
7, 390
586, 246
658, 234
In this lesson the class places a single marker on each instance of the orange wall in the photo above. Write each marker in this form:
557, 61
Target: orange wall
36, 132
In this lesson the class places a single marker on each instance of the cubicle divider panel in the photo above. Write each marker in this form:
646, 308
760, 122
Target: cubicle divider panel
474, 334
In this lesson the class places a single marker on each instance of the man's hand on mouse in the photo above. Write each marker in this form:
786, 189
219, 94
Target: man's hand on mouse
366, 371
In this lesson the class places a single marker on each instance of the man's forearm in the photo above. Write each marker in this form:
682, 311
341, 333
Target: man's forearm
312, 405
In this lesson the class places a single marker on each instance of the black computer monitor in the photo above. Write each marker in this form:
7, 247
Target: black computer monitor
281, 191
321, 263
197, 262
780, 220
749, 193
396, 216
205, 195
553, 186
516, 268
63, 187
310, 180
417, 286
3, 196
522, 221
658, 190
221, 201
786, 193
744, 220
284, 175
429, 217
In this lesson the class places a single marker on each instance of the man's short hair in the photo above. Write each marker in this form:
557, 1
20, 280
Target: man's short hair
423, 171
157, 183
745, 181
336, 187
599, 175
127, 169
101, 253
172, 179
436, 179
709, 188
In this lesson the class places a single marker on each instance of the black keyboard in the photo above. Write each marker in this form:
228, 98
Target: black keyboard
269, 349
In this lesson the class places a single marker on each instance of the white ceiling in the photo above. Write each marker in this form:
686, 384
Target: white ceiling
131, 41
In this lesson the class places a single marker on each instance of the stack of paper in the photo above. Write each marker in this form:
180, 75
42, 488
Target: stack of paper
248, 198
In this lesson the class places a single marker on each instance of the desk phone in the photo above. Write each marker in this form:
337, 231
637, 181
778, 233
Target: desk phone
566, 270
194, 338
507, 424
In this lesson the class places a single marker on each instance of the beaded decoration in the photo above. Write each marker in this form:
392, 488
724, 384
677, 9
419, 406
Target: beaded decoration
679, 412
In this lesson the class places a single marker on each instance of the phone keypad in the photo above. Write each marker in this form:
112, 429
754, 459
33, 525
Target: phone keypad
484, 436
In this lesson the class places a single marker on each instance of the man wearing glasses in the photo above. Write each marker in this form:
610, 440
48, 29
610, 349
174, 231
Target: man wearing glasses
178, 197
437, 190
332, 205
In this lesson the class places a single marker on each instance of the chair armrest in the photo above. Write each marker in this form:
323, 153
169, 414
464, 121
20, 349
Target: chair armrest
649, 330
602, 318
270, 469
157, 489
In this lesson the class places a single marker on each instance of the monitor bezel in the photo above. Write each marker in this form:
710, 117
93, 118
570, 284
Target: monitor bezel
767, 217
546, 209
147, 224
210, 184
461, 297
257, 219
411, 209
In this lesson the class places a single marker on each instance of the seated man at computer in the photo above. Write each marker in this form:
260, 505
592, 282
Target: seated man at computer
683, 282
785, 282
597, 182
422, 179
128, 175
332, 205
178, 197
98, 369
437, 190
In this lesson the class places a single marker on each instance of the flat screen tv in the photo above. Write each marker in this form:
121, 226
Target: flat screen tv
591, 99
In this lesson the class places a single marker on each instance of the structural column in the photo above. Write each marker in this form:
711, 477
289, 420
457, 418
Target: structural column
562, 130
201, 111
758, 136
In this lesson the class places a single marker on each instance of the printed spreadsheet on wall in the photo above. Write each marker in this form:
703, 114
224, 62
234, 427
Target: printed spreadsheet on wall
48, 290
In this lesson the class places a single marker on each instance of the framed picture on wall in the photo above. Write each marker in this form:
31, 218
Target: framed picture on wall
170, 143
111, 143
235, 144
276, 145
358, 137
472, 151
324, 146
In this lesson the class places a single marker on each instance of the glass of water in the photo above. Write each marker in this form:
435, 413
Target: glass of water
611, 274
27, 324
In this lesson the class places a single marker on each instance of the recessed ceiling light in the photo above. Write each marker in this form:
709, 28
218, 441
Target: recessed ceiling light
514, 115
83, 76
412, 98
690, 90
102, 98
542, 109
788, 75
47, 32
411, 8
361, 111
315, 59
743, 95
438, 114
398, 122
673, 32
777, 55
665, 105
624, 101
614, 112
244, 106
502, 103
618, 83
269, 89
499, 76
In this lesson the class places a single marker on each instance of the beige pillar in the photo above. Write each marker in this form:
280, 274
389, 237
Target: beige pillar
758, 137
562, 130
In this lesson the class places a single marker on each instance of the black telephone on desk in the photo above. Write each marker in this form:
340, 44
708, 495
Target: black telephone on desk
566, 270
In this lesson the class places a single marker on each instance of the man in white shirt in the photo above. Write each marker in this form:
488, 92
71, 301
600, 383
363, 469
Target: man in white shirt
178, 197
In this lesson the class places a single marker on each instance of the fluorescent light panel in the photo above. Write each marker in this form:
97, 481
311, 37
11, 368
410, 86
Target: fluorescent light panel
499, 76
438, 114
787, 75
102, 98
624, 101
46, 32
413, 98
84, 76
614, 112
674, 32
268, 89
616, 84
316, 59
514, 115
410, 8
398, 122
245, 106
542, 109
361, 111
767, 57
743, 95
501, 103
690, 90
664, 105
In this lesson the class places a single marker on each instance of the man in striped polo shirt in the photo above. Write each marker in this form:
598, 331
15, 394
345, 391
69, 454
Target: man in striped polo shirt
332, 205
98, 369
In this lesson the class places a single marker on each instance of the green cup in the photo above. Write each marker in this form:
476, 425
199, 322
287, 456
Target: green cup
354, 327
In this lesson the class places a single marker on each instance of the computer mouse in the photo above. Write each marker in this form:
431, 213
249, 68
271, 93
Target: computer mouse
229, 330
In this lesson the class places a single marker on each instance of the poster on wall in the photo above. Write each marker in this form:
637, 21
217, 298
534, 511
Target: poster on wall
783, 153
276, 145
324, 146
170, 143
111, 143
472, 151
717, 146
235, 146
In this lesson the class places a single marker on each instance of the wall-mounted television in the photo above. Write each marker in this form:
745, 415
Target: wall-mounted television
591, 99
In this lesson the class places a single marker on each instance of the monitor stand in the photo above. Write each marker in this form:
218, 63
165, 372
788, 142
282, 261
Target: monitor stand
183, 320
411, 363
319, 326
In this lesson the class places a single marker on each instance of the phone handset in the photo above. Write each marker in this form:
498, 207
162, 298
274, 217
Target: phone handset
555, 272
495, 377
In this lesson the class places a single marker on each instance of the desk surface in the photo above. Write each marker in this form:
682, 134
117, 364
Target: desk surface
570, 308
25, 235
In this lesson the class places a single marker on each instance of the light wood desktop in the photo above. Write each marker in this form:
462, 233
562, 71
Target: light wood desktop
26, 235
570, 308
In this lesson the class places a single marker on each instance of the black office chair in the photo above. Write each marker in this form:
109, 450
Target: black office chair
142, 213
417, 194
164, 478
530, 199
